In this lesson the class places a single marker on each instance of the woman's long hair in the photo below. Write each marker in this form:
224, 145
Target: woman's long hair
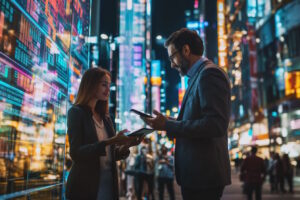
88, 87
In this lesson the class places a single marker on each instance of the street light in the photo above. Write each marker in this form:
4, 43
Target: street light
174, 109
159, 37
104, 36
160, 40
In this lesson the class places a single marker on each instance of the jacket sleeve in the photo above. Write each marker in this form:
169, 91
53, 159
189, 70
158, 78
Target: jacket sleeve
213, 93
80, 152
118, 154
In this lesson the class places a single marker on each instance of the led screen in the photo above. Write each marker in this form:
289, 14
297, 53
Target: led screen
42, 58
132, 64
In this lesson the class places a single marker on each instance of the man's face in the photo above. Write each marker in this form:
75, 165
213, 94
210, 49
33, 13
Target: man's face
177, 60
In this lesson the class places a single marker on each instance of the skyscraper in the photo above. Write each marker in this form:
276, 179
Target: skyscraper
133, 81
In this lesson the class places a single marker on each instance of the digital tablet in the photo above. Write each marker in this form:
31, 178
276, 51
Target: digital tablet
141, 132
141, 113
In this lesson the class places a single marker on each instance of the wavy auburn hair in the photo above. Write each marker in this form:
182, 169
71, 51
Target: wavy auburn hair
88, 88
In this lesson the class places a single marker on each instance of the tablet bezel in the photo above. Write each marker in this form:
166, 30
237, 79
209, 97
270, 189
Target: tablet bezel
141, 114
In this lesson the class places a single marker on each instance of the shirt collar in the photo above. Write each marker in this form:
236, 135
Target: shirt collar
193, 70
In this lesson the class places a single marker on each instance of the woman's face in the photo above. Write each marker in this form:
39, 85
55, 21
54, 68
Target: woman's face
103, 89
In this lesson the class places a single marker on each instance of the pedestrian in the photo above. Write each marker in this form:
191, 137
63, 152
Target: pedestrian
255, 171
202, 166
165, 174
236, 163
68, 165
298, 166
122, 178
272, 171
150, 172
141, 174
279, 177
94, 146
130, 173
288, 172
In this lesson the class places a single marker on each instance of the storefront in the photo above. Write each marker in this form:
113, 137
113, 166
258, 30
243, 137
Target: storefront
244, 137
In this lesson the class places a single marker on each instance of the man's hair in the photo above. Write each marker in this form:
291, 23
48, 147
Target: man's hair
183, 37
254, 150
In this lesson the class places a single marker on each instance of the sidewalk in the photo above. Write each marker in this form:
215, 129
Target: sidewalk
234, 191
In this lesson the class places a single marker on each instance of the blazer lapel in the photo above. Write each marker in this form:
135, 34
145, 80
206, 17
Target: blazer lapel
109, 127
191, 83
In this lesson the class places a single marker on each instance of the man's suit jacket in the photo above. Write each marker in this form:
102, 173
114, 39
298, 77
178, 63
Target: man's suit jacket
201, 152
85, 150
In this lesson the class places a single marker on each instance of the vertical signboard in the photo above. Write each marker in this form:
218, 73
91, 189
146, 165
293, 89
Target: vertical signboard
222, 37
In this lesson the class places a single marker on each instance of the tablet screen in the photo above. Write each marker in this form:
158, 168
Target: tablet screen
141, 132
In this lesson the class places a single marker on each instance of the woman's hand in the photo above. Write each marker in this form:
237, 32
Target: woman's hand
119, 139
136, 140
122, 152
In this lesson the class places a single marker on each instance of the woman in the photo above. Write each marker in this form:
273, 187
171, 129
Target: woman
94, 147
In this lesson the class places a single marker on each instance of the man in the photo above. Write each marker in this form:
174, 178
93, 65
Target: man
202, 166
255, 171
141, 171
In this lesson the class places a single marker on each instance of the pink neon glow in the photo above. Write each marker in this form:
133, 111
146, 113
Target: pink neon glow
196, 4
19, 70
12, 66
137, 49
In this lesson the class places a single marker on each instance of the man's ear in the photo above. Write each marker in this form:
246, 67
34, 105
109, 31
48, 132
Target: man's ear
186, 50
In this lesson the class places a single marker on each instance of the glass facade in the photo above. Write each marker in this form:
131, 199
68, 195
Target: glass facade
42, 57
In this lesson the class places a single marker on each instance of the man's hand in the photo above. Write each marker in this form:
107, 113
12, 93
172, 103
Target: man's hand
157, 123
171, 118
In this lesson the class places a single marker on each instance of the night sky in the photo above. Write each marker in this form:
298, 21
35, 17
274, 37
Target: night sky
167, 17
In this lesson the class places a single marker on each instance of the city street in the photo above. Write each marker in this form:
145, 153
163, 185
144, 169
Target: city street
234, 191
94, 91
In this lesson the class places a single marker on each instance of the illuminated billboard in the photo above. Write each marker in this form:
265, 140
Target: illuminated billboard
156, 82
41, 46
52, 17
132, 62
222, 37
292, 84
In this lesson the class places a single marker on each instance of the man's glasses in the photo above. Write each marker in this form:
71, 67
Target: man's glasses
171, 57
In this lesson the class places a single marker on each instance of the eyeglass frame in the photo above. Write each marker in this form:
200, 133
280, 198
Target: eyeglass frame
171, 57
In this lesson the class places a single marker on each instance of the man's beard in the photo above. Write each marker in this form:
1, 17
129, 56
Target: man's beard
183, 67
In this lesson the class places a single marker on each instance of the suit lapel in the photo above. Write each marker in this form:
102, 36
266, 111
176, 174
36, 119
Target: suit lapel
191, 83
